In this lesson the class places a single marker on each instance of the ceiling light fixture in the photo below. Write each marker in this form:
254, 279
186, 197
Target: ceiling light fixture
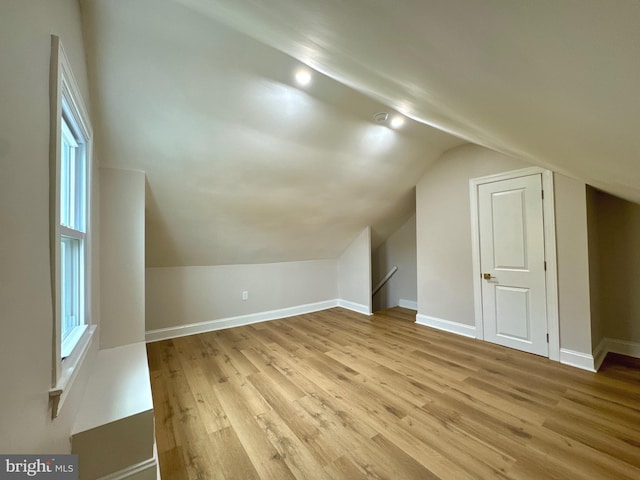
303, 77
380, 117
397, 121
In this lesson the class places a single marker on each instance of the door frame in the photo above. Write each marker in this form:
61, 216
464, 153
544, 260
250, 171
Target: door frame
551, 274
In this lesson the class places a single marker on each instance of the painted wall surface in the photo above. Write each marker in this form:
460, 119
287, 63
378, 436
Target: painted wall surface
574, 311
614, 234
26, 313
400, 250
596, 283
354, 272
443, 229
122, 232
445, 277
114, 428
184, 295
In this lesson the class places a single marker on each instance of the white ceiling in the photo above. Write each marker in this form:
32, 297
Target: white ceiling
245, 167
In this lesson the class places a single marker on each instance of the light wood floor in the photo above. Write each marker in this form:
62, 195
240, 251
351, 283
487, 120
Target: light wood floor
343, 396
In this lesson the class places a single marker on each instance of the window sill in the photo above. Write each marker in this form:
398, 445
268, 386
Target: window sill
73, 339
70, 368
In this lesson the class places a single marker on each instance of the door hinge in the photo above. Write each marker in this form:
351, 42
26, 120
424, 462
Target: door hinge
545, 265
542, 191
547, 338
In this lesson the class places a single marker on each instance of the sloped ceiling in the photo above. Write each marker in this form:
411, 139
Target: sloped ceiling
245, 167
242, 165
553, 82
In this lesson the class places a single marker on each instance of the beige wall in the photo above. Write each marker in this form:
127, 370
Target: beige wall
184, 295
445, 277
122, 227
400, 250
443, 228
178, 296
354, 272
596, 283
114, 427
574, 312
25, 276
614, 247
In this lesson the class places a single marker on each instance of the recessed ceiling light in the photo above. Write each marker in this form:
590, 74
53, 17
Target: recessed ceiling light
397, 121
303, 77
380, 117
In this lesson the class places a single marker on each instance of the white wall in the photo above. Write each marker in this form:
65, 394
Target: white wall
614, 251
114, 428
574, 312
182, 296
596, 283
25, 275
443, 228
400, 250
445, 276
185, 295
122, 257
354, 273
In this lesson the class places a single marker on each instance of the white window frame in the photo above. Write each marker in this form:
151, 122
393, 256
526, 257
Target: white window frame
66, 101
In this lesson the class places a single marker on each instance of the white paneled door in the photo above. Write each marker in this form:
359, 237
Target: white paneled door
510, 218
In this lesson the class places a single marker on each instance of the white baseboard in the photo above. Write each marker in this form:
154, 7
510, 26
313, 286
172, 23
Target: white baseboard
599, 354
611, 345
356, 307
223, 323
446, 325
632, 349
577, 359
145, 470
408, 304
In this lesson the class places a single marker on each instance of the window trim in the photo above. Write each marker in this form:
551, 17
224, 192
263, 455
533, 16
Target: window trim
65, 97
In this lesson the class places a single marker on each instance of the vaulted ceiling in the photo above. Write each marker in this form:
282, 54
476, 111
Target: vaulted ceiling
245, 166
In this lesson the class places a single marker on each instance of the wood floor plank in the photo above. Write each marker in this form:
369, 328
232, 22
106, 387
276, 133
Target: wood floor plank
198, 373
342, 467
603, 409
200, 459
295, 452
296, 417
408, 389
472, 457
402, 465
339, 395
163, 412
230, 458
264, 456
182, 412
172, 464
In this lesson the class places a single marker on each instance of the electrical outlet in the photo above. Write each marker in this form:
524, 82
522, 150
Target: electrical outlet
245, 295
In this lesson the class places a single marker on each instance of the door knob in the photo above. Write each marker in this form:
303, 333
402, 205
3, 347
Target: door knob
487, 276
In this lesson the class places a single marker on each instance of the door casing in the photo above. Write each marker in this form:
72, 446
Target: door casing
551, 274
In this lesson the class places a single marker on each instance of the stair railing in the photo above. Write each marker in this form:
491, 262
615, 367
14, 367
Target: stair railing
386, 278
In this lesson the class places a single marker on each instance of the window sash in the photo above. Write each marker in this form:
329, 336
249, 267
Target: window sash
72, 229
73, 178
72, 291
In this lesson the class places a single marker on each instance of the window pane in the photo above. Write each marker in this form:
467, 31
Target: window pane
65, 218
72, 180
71, 269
